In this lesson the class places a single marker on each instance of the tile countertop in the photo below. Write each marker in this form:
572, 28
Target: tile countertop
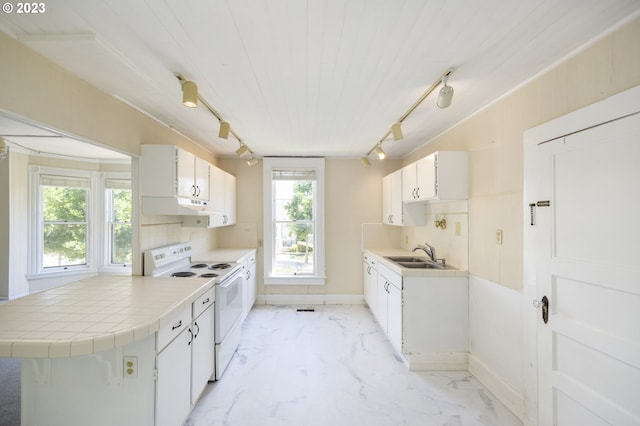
380, 253
92, 315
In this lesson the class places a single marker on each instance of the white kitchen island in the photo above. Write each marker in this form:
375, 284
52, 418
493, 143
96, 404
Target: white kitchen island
111, 350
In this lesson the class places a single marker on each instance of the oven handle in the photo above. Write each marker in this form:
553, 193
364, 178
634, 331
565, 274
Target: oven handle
230, 280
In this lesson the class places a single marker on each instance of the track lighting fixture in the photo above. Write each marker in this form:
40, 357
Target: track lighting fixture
445, 95
190, 99
242, 150
189, 94
396, 131
444, 100
225, 128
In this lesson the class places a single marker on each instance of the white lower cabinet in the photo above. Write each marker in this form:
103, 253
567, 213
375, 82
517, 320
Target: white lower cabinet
390, 305
249, 281
202, 349
185, 365
424, 317
173, 386
370, 283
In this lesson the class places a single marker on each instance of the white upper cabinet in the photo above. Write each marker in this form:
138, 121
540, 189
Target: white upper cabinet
443, 175
394, 212
169, 171
222, 202
392, 199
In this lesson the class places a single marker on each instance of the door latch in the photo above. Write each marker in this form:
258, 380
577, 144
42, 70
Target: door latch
544, 305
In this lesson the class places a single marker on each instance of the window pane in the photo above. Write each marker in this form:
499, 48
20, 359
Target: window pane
121, 201
121, 244
294, 227
120, 226
64, 245
63, 204
293, 256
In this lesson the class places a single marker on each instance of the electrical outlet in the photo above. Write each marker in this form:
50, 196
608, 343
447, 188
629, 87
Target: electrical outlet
130, 366
499, 236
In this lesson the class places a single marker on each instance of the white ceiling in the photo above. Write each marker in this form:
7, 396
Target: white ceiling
315, 77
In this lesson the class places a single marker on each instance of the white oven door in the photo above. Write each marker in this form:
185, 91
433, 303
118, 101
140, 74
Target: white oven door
228, 307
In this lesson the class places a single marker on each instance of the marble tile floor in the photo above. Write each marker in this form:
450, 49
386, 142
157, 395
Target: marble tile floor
335, 367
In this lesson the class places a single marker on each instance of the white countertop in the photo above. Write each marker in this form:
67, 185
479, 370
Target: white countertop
380, 253
223, 255
92, 315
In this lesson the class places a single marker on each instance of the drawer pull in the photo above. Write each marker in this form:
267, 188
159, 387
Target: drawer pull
205, 301
177, 325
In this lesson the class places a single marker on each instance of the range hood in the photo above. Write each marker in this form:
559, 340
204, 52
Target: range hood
174, 206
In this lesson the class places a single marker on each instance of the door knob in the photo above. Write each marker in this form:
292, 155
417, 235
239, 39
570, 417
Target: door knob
544, 304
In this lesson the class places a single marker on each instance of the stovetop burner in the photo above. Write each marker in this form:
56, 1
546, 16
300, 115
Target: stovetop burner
183, 274
199, 265
220, 266
208, 275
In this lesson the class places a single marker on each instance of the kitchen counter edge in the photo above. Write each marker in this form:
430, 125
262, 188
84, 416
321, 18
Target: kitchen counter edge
380, 253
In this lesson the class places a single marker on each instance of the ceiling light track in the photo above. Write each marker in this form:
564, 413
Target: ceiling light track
190, 98
444, 100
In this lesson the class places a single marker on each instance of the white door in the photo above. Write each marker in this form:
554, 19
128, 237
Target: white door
588, 266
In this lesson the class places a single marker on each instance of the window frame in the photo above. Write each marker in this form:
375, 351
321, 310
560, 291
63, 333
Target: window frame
97, 258
107, 211
318, 165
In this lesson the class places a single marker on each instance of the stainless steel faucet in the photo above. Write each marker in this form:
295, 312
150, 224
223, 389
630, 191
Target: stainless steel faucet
428, 249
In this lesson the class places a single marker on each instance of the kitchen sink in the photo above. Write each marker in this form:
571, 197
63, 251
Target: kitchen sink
421, 265
407, 259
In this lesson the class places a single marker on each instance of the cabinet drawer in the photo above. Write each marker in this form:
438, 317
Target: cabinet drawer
172, 325
203, 302
390, 276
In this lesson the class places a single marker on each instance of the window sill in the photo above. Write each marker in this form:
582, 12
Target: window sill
295, 280
60, 273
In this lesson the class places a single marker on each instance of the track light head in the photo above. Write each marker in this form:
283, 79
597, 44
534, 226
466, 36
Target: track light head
365, 161
242, 150
252, 161
380, 152
446, 94
225, 128
396, 131
189, 94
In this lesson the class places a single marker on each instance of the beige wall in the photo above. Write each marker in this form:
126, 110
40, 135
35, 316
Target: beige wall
494, 138
35, 88
353, 196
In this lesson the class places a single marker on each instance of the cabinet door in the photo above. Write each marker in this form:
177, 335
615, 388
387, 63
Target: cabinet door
426, 177
394, 316
202, 353
201, 177
382, 302
409, 180
370, 287
386, 200
185, 173
229, 199
173, 387
396, 197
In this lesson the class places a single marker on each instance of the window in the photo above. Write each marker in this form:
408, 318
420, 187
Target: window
80, 223
294, 221
119, 231
64, 221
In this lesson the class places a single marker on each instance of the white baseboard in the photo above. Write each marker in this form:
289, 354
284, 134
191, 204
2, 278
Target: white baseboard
310, 299
437, 361
505, 393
